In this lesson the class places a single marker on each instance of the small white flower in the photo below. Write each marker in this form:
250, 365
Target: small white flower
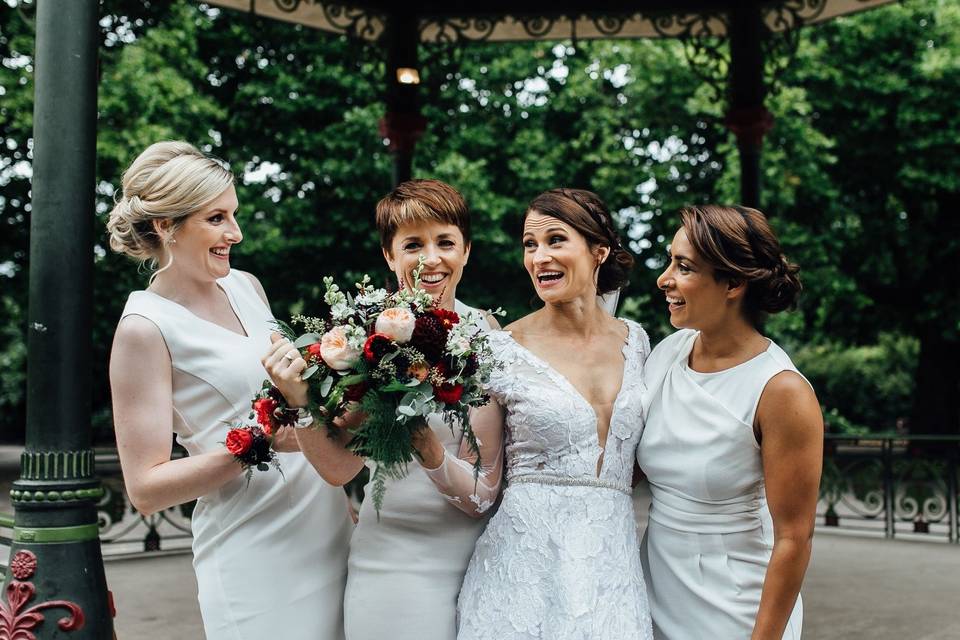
372, 297
340, 311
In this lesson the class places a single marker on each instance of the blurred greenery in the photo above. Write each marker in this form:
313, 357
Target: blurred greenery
861, 171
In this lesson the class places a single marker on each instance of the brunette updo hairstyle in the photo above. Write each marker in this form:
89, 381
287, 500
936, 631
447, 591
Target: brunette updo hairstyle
169, 180
740, 246
585, 211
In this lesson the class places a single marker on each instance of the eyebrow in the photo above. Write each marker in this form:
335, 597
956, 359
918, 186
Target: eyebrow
548, 230
680, 256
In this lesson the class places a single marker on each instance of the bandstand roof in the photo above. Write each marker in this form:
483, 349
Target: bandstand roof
515, 20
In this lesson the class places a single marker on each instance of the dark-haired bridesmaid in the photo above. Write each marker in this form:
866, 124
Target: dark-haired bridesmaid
732, 445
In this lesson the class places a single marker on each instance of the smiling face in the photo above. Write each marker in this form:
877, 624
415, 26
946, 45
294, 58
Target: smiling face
445, 254
559, 259
203, 242
696, 299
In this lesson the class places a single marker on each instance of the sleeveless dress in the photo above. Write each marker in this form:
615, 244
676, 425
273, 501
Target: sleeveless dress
710, 536
270, 557
406, 567
559, 559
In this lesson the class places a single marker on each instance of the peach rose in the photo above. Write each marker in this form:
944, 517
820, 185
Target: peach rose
397, 323
336, 350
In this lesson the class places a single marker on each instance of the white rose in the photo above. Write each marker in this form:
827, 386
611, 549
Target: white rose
397, 323
336, 351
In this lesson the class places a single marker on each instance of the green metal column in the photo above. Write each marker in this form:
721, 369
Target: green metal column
55, 561
747, 117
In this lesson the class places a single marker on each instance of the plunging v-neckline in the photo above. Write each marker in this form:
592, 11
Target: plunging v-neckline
564, 380
230, 302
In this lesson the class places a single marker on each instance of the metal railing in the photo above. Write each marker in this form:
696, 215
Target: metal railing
891, 485
880, 484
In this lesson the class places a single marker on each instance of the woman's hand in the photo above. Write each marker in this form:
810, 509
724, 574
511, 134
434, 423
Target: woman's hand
284, 366
285, 440
427, 445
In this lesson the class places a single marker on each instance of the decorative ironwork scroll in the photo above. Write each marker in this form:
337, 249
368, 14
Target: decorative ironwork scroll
123, 530
18, 622
703, 45
354, 22
892, 485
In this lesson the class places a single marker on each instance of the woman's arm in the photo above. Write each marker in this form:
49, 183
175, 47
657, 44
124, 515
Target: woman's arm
791, 428
454, 476
329, 456
141, 383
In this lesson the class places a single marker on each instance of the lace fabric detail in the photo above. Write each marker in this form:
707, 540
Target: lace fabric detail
559, 560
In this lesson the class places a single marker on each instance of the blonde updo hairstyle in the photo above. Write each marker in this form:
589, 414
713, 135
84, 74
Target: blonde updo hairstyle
170, 180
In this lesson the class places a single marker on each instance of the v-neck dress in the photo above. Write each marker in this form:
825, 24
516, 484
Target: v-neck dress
559, 560
271, 556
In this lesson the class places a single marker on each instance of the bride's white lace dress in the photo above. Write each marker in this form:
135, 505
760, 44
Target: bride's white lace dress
560, 558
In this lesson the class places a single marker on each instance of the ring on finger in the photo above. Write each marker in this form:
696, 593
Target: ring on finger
291, 355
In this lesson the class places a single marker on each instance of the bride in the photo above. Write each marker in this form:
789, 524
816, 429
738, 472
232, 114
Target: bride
560, 558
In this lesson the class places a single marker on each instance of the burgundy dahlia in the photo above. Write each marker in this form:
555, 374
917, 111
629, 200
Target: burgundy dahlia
429, 337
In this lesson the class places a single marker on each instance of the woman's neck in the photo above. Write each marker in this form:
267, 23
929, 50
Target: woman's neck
181, 288
729, 341
582, 316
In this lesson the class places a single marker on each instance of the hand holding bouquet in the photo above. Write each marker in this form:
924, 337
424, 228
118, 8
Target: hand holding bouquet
396, 358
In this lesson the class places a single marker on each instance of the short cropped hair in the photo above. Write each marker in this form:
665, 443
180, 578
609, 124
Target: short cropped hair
416, 201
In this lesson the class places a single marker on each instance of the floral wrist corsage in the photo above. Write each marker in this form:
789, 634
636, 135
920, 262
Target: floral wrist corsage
251, 444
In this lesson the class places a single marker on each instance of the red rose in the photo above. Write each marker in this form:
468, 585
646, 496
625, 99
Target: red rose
264, 409
377, 346
448, 392
239, 441
447, 318
313, 353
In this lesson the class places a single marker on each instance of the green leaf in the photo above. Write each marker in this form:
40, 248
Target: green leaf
326, 385
306, 340
308, 373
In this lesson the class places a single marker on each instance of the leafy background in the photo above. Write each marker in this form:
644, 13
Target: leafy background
861, 174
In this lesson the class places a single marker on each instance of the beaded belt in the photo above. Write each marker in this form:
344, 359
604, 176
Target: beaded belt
564, 481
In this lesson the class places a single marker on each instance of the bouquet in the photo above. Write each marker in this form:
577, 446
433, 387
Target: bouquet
396, 358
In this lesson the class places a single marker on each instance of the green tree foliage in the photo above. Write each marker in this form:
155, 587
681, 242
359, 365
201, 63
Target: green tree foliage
860, 169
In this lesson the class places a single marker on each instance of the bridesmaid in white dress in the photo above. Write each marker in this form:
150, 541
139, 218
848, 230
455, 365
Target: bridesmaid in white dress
406, 566
270, 556
733, 440
559, 559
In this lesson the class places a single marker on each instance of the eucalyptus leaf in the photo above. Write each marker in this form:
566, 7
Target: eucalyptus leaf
326, 385
306, 340
308, 373
406, 410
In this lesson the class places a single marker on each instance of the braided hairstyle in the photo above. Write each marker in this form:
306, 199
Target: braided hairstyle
585, 211
740, 246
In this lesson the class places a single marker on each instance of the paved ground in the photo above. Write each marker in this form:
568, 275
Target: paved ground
856, 589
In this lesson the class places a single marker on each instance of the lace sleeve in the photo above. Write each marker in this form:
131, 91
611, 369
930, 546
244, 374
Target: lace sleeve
454, 478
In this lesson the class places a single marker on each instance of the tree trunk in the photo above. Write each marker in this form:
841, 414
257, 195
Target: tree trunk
936, 402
